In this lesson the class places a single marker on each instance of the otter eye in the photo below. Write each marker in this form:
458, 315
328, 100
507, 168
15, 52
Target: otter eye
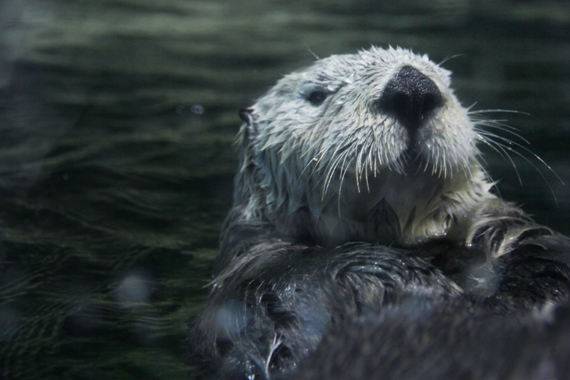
316, 98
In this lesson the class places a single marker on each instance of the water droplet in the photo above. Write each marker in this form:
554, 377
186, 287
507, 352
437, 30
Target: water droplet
197, 109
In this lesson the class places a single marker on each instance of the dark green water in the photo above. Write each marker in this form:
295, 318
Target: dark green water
116, 125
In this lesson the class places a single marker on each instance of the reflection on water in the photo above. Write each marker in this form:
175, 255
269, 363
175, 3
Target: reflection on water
117, 119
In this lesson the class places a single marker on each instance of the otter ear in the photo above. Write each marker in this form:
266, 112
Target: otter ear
246, 114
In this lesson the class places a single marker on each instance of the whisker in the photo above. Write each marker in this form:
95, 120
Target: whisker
343, 171
448, 58
537, 169
527, 150
499, 148
476, 112
331, 169
496, 124
506, 146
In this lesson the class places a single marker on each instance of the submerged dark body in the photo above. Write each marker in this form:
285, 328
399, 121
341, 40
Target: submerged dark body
456, 340
362, 215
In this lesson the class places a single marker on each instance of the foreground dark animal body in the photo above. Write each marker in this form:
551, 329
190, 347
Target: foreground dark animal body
459, 339
359, 190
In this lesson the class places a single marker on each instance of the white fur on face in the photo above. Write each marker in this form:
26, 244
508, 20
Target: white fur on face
354, 171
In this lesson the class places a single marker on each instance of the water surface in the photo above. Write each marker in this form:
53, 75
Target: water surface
117, 119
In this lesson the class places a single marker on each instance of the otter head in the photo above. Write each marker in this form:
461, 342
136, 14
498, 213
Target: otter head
372, 147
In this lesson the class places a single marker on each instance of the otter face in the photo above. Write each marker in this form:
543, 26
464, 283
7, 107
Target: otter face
372, 146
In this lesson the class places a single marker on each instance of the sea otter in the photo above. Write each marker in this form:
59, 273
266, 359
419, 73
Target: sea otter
360, 188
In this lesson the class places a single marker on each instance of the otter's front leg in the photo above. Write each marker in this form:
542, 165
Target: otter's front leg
526, 264
497, 228
534, 273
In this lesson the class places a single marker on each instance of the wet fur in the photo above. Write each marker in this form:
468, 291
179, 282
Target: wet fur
341, 212
344, 171
422, 340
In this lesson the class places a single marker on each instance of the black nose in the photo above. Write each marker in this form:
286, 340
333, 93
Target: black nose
409, 97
